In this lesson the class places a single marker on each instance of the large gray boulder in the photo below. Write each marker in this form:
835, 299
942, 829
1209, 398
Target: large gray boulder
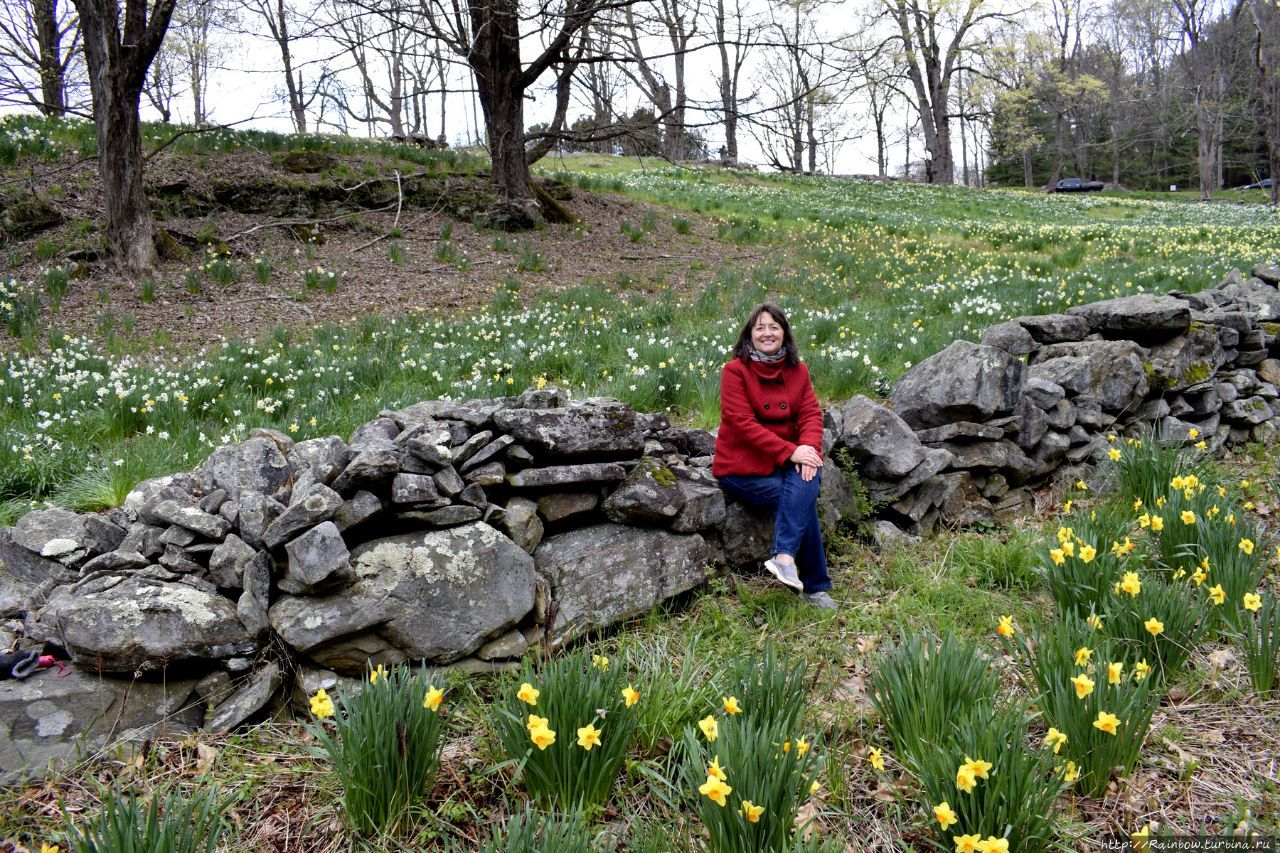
1113, 372
46, 718
1142, 317
604, 574
256, 464
879, 441
26, 578
591, 428
123, 624
432, 595
964, 382
1187, 359
746, 535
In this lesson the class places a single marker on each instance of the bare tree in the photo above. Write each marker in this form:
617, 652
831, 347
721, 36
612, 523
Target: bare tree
118, 59
1265, 16
289, 23
635, 30
40, 57
379, 42
736, 33
936, 38
164, 80
487, 33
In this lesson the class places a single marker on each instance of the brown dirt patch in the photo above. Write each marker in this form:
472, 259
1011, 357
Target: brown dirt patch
190, 310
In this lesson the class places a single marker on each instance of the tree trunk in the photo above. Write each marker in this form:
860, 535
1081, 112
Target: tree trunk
53, 90
129, 225
1028, 174
495, 57
728, 90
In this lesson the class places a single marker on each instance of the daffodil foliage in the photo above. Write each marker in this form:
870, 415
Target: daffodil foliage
567, 726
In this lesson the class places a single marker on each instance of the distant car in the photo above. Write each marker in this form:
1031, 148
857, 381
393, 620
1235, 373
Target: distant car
1264, 184
1077, 185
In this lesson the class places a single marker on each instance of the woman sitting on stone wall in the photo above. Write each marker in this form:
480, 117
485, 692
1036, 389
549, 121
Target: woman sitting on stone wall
768, 449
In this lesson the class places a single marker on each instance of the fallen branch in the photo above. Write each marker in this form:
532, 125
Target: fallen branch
289, 223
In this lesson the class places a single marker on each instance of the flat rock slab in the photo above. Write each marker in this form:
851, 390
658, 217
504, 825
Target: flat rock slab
256, 464
880, 442
121, 625
964, 382
1140, 317
432, 595
561, 475
46, 719
604, 574
581, 429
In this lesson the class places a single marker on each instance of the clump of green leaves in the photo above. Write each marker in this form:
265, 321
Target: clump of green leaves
384, 744
1260, 641
170, 822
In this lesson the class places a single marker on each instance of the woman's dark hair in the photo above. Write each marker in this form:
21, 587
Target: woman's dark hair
742, 349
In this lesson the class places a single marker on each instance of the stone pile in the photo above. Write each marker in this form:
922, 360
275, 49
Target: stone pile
973, 428
460, 534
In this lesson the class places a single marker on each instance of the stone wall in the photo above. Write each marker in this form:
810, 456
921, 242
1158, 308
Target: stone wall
460, 534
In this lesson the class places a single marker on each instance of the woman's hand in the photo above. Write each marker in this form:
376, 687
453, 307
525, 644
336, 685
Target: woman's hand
807, 461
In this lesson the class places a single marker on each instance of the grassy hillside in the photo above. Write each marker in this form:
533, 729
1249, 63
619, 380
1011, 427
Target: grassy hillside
877, 275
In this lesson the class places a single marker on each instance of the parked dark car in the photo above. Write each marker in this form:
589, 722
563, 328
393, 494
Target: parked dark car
1264, 184
1077, 185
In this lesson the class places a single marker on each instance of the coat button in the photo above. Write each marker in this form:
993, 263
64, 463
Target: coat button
766, 407
782, 405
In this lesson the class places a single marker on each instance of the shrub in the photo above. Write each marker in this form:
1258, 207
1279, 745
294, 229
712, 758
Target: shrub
920, 684
170, 823
770, 687
1145, 466
1080, 694
1161, 624
1009, 792
1091, 552
385, 745
1260, 641
568, 726
750, 775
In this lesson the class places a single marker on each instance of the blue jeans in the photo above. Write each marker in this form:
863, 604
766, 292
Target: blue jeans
795, 528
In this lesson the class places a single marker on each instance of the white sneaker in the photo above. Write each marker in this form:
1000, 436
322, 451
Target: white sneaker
785, 573
820, 600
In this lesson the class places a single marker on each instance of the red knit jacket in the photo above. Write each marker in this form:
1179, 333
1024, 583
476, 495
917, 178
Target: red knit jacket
766, 410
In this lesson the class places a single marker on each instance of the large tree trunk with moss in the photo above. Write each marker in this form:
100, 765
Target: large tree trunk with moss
495, 57
118, 59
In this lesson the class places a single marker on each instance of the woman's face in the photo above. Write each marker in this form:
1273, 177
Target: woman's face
766, 334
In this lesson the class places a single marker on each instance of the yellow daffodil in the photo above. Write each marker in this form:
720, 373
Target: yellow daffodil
1246, 545
528, 694
1141, 670
1082, 485
1082, 655
876, 757
1248, 505
1055, 739
1217, 594
1188, 517
1087, 553
716, 790
542, 737
966, 780
630, 694
802, 746
815, 787
1094, 621
601, 662
1176, 483
1066, 534
1157, 523
1058, 556
1115, 672
588, 736
730, 705
1154, 626
751, 811
49, 848
1193, 433
321, 705
1072, 773
709, 728
1141, 839
1131, 584
1083, 684
1119, 549
1252, 601
1137, 504
1113, 454
1005, 628
536, 722
1144, 520
944, 814
1199, 576
1106, 722
979, 767
1066, 507
1069, 548
379, 673
1202, 445
967, 843
993, 845
433, 698
714, 769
